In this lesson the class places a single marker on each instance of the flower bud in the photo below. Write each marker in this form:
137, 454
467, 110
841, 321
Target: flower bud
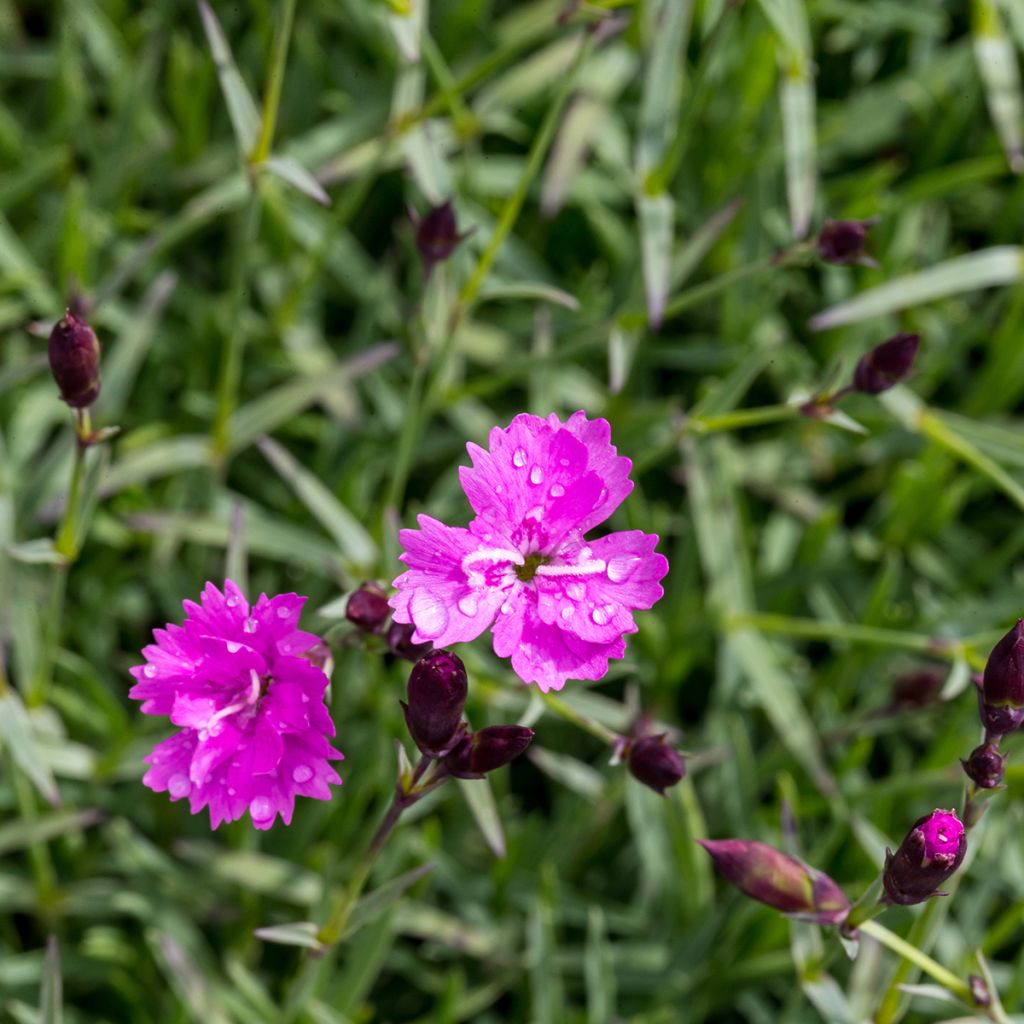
917, 689
367, 608
1003, 682
437, 694
843, 242
490, 748
75, 361
778, 880
654, 763
886, 364
931, 852
999, 721
985, 766
400, 642
437, 235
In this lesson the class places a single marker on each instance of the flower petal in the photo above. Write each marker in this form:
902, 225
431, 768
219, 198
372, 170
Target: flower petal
591, 590
454, 585
544, 654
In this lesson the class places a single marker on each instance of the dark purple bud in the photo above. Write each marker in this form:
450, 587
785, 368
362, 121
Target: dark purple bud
886, 364
75, 361
843, 242
1003, 681
367, 608
999, 721
437, 234
654, 763
778, 880
481, 752
917, 689
437, 694
400, 642
930, 853
985, 766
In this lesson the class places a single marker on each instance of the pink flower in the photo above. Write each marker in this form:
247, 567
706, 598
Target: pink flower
559, 604
251, 707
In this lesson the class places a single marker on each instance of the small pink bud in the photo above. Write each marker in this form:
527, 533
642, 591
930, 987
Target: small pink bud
367, 608
74, 352
932, 850
843, 242
886, 364
486, 750
436, 693
654, 763
778, 880
985, 766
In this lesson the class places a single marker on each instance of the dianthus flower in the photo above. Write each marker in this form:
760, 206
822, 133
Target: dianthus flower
251, 707
559, 604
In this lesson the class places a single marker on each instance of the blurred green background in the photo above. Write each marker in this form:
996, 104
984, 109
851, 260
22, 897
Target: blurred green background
289, 392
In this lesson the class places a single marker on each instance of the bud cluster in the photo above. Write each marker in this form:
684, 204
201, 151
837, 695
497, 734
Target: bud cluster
368, 611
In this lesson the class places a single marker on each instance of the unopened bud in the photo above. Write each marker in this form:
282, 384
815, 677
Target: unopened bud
932, 850
484, 751
75, 361
778, 880
654, 763
917, 689
886, 364
844, 241
367, 608
437, 234
400, 642
985, 766
436, 693
1003, 682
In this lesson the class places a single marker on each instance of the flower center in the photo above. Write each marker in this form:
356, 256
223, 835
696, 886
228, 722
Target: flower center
257, 688
531, 563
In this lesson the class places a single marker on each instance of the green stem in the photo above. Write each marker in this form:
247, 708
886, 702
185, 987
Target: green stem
275, 81
234, 348
868, 906
741, 418
564, 710
921, 960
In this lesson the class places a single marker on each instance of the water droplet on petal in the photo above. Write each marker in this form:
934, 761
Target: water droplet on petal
302, 773
506, 608
179, 786
557, 490
519, 458
536, 475
600, 616
232, 601
621, 567
468, 605
576, 590
149, 671
283, 612
203, 735
260, 808
232, 790
567, 612
428, 613
233, 647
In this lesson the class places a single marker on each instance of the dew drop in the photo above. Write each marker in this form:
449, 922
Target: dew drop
600, 616
621, 567
567, 612
234, 647
260, 808
232, 601
564, 461
519, 458
498, 488
232, 791
283, 612
428, 612
179, 786
576, 590
468, 605
302, 773
149, 671
557, 490
536, 475
506, 608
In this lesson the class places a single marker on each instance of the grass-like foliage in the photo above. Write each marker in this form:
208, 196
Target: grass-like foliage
694, 219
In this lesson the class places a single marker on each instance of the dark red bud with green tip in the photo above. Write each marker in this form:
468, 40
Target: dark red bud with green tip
886, 364
1003, 681
481, 752
74, 352
932, 850
778, 880
436, 694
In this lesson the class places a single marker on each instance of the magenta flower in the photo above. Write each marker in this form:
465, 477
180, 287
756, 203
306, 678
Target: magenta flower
559, 604
251, 707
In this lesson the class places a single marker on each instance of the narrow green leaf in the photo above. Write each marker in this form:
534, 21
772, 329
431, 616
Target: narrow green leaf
528, 290
656, 216
289, 170
36, 552
598, 970
480, 798
371, 906
16, 734
296, 933
21, 834
51, 993
1000, 75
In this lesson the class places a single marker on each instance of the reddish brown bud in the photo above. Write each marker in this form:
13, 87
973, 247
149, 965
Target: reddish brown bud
437, 235
932, 850
886, 364
367, 608
654, 763
437, 694
75, 361
486, 750
917, 689
778, 880
985, 766
1003, 681
844, 241
400, 642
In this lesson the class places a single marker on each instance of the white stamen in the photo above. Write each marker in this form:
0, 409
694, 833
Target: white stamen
250, 699
491, 555
590, 568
